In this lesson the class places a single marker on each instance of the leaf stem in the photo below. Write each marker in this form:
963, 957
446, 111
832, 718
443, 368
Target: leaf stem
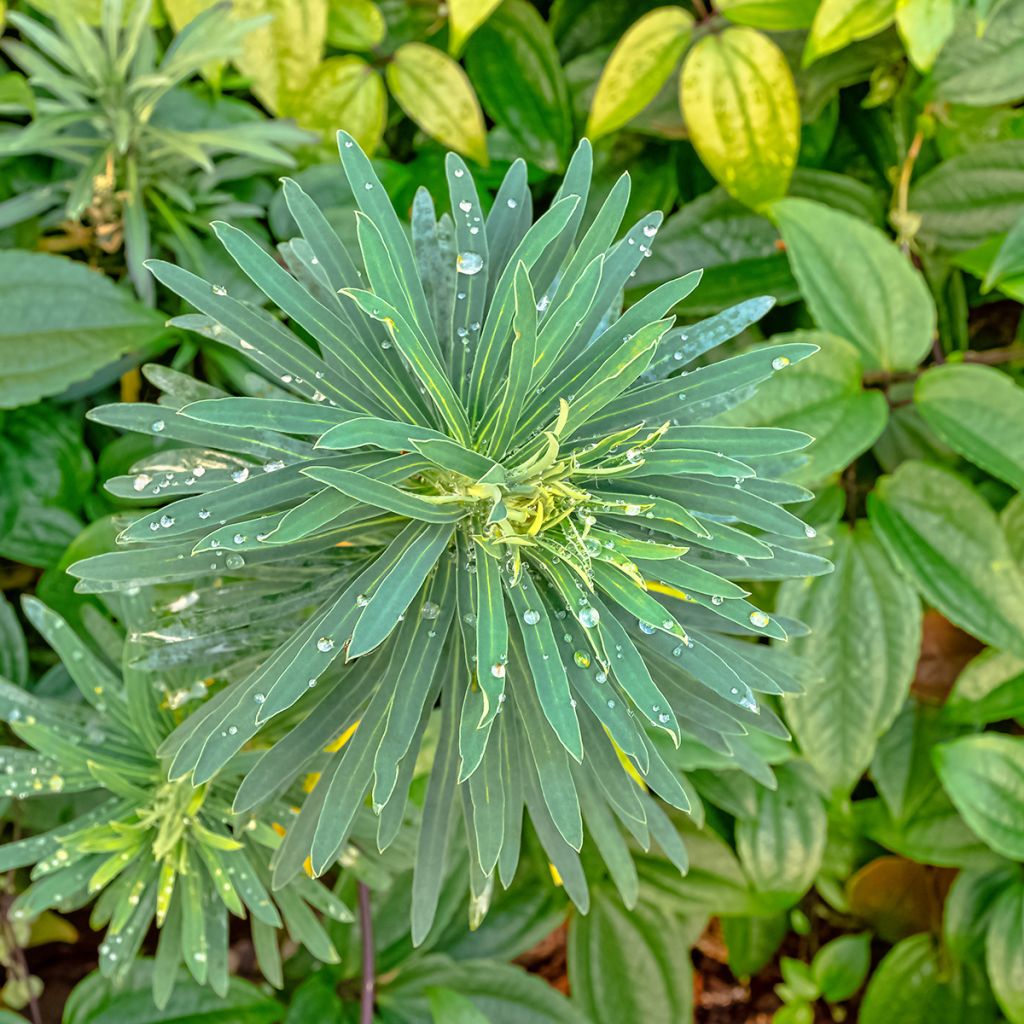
18, 966
989, 357
369, 989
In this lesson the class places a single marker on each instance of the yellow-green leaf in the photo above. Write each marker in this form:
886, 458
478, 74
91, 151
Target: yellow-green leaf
345, 92
464, 18
639, 66
355, 25
841, 22
771, 15
739, 101
435, 92
924, 27
281, 57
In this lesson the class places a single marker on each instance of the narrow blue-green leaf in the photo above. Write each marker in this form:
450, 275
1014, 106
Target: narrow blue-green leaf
383, 495
550, 683
500, 427
285, 415
491, 634
394, 593
421, 358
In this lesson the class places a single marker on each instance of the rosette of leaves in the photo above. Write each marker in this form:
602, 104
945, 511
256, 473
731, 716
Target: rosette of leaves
132, 143
145, 849
501, 496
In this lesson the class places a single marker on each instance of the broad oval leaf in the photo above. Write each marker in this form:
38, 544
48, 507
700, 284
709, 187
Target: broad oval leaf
822, 397
47, 345
947, 540
864, 290
346, 93
355, 24
838, 23
771, 15
904, 984
96, 1000
513, 63
864, 642
281, 55
1009, 260
984, 777
979, 412
980, 65
435, 92
464, 18
781, 846
740, 104
989, 689
639, 66
610, 945
1004, 951
924, 27
970, 197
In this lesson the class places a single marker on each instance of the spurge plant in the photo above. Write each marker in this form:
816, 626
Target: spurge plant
466, 480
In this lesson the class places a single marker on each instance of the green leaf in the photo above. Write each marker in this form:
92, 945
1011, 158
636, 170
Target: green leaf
627, 965
13, 648
1009, 259
736, 247
513, 63
435, 92
643, 58
449, 1007
903, 985
1004, 952
989, 689
355, 25
753, 941
865, 291
841, 966
740, 104
969, 905
280, 57
984, 776
386, 496
47, 473
95, 1000
503, 993
838, 23
947, 540
344, 92
464, 18
47, 345
965, 200
545, 660
782, 845
772, 15
864, 643
924, 27
979, 412
982, 68
822, 397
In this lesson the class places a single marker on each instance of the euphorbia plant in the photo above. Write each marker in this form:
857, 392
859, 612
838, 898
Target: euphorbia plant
144, 850
467, 482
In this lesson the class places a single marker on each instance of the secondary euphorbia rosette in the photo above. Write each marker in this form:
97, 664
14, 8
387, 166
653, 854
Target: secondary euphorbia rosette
472, 485
146, 850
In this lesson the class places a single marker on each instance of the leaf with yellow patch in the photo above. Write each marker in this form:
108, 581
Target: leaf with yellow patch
639, 66
435, 92
740, 104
